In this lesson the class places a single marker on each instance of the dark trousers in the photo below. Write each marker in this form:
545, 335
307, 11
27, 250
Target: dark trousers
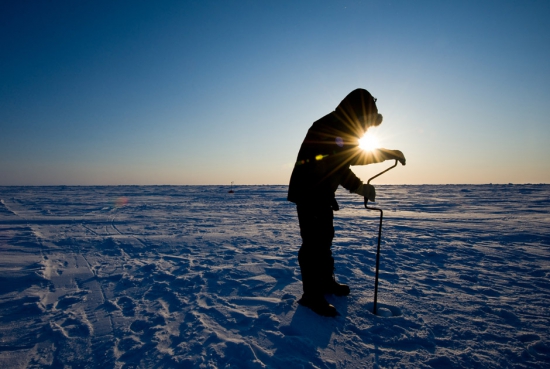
315, 255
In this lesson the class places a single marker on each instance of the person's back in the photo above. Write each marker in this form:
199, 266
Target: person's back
321, 163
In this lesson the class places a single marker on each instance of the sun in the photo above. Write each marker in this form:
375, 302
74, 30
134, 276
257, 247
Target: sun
368, 142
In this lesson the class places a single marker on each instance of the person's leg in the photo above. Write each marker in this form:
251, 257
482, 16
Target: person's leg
315, 256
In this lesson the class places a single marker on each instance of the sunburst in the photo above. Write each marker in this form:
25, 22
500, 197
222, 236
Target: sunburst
368, 142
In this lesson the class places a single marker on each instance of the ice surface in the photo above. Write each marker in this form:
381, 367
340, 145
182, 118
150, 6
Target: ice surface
194, 277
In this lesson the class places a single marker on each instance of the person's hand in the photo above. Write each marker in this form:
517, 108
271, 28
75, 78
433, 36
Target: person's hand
393, 154
398, 155
366, 190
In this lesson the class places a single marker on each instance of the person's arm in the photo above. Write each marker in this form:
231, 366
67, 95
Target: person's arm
350, 181
377, 156
355, 185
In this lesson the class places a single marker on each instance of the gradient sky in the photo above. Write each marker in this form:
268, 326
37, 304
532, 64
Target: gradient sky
210, 92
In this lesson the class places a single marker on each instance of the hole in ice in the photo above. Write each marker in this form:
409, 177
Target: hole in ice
384, 310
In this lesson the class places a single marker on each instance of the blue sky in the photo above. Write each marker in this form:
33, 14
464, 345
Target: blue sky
210, 92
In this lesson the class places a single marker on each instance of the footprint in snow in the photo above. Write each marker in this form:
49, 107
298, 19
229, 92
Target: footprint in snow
127, 305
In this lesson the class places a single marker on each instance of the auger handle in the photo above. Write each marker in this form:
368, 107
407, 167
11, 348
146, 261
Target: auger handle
382, 172
379, 174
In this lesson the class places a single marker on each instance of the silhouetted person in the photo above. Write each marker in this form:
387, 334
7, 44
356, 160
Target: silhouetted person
329, 148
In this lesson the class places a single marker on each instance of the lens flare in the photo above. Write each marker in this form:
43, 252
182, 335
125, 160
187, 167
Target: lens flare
368, 142
120, 202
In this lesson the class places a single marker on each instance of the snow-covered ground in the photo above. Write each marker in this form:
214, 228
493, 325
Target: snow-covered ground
195, 277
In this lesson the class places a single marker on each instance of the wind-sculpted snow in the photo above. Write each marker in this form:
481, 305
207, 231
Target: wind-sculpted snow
195, 277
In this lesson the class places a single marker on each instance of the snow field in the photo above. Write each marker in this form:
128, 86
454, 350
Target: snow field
194, 277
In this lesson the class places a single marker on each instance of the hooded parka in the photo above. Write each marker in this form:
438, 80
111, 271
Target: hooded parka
329, 149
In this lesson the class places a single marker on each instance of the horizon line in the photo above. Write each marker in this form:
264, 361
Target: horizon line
244, 185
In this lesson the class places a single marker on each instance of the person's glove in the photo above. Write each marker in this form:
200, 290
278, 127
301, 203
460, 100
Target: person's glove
392, 154
398, 155
366, 190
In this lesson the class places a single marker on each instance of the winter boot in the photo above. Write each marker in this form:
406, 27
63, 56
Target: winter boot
335, 288
319, 305
330, 286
